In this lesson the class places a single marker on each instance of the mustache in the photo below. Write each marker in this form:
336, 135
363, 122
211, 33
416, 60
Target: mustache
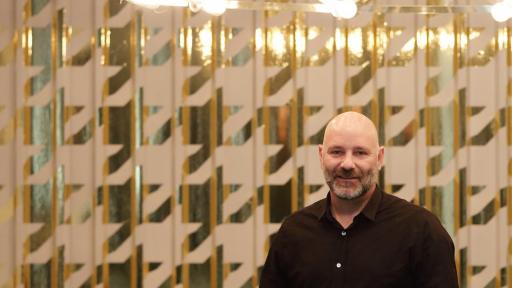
343, 173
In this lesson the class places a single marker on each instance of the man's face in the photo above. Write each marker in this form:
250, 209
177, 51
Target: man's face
350, 160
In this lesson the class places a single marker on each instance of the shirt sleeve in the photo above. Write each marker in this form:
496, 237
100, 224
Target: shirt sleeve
434, 256
272, 274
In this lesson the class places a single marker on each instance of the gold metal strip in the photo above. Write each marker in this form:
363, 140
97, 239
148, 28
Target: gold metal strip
174, 59
374, 65
27, 141
106, 126
459, 28
185, 199
348, 84
133, 147
27, 197
498, 232
94, 54
469, 219
215, 30
306, 111
509, 143
428, 126
254, 128
294, 134
508, 126
53, 140
495, 131
226, 268
266, 133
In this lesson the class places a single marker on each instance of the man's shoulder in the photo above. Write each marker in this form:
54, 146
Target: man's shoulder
409, 210
302, 222
311, 212
401, 205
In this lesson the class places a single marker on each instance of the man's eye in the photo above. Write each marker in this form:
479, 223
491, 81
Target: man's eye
360, 153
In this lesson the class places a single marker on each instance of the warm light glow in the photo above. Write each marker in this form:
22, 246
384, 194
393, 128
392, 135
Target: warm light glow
502, 38
23, 41
214, 7
345, 9
65, 37
340, 39
501, 11
341, 9
258, 39
222, 40
313, 32
446, 39
188, 41
29, 41
355, 42
329, 44
102, 37
464, 39
300, 42
181, 41
107, 38
277, 42
422, 38
382, 41
195, 5
143, 39
153, 4
147, 4
206, 40
409, 45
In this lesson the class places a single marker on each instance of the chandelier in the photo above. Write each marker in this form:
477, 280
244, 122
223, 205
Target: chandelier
342, 9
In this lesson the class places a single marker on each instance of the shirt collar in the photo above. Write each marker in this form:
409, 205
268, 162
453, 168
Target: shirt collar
369, 211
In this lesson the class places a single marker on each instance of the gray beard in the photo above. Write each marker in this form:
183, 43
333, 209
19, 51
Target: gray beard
366, 185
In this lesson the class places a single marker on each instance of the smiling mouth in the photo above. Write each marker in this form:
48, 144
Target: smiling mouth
346, 178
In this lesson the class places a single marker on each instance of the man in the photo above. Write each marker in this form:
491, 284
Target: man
359, 236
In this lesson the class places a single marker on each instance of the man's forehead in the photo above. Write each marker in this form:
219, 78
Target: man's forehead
353, 125
338, 138
355, 121
351, 137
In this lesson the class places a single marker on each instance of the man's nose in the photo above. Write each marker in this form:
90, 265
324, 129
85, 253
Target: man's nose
348, 162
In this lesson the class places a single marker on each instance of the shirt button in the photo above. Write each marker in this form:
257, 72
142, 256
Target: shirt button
343, 233
338, 265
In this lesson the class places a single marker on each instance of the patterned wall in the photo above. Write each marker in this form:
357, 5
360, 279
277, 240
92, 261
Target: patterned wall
145, 148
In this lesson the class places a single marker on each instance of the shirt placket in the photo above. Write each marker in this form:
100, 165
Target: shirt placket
340, 260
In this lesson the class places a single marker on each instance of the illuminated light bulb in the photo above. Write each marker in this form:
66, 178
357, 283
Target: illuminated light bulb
153, 4
345, 9
501, 11
214, 7
181, 3
147, 4
195, 5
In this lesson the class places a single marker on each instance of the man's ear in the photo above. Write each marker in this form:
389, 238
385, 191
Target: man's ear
320, 153
380, 157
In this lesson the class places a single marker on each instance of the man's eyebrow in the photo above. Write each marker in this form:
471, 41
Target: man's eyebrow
361, 148
335, 147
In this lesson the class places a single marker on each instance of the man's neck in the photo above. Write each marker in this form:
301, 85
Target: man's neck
344, 211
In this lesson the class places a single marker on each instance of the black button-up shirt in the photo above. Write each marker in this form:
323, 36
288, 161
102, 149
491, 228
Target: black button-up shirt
391, 243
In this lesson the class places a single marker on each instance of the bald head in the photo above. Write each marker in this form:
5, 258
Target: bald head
350, 156
354, 122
